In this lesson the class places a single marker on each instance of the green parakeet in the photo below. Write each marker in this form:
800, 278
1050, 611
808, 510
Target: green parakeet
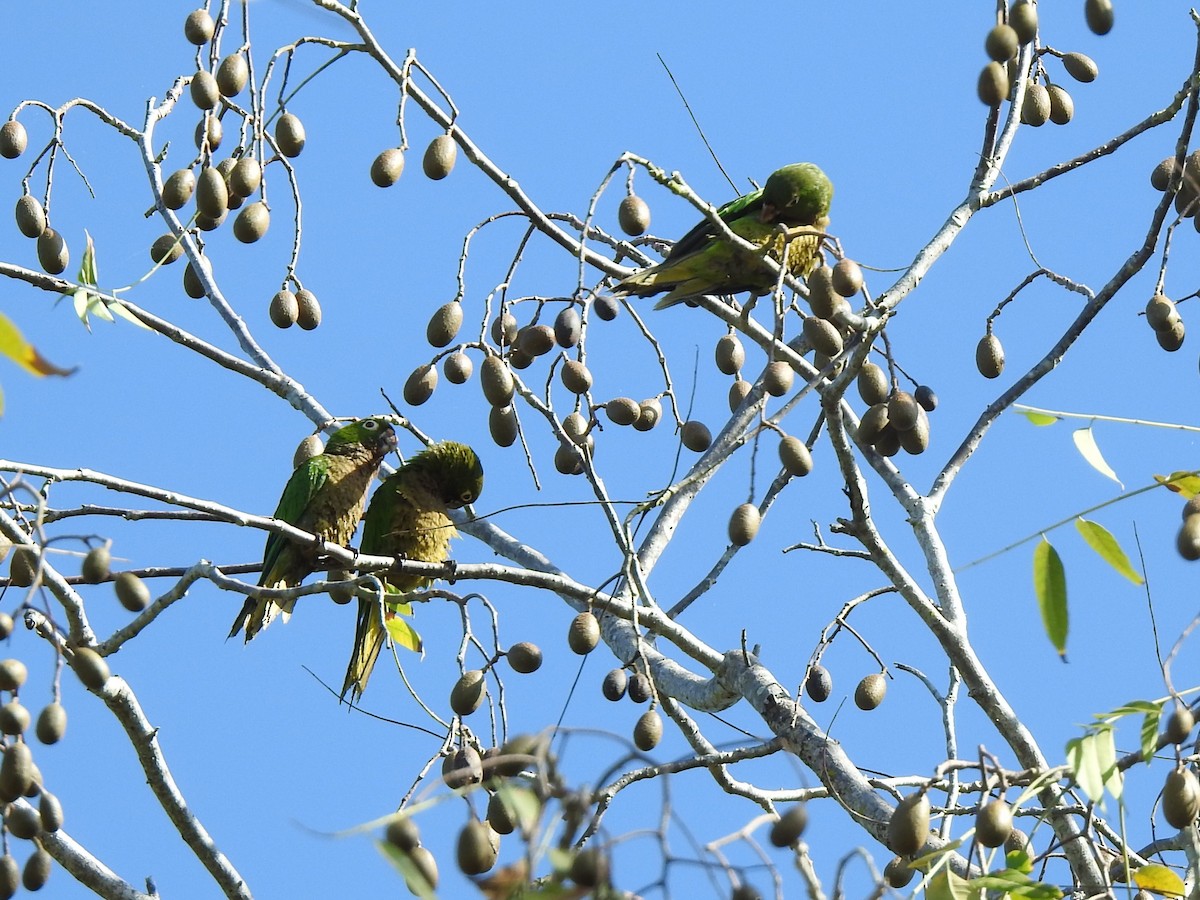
797, 196
325, 495
407, 519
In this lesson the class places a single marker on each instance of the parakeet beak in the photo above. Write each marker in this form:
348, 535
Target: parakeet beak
390, 442
768, 213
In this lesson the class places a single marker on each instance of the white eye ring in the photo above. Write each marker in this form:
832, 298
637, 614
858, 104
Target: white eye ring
371, 424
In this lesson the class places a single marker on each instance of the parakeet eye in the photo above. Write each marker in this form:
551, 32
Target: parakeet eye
370, 424
467, 496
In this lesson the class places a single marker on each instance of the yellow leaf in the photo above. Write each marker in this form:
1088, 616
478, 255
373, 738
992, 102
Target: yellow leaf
15, 347
403, 633
1181, 483
1040, 419
1101, 540
1159, 880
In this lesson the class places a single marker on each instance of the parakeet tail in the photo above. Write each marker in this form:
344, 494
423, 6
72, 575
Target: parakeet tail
257, 614
369, 638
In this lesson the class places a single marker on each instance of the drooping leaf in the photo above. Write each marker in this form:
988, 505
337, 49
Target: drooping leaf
1050, 584
945, 885
1039, 419
1184, 483
403, 633
1017, 884
1085, 443
1093, 762
24, 354
1101, 540
1159, 880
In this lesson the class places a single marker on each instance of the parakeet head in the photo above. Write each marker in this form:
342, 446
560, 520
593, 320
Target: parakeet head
798, 194
454, 469
375, 434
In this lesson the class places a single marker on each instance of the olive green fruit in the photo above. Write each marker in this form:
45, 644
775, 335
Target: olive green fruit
1023, 19
847, 277
1035, 110
993, 84
993, 823
575, 377
641, 688
308, 448
1179, 724
888, 442
210, 223
576, 427
420, 385
232, 74
458, 368
795, 456
502, 424
897, 873
925, 397
131, 592
1099, 15
14, 718
778, 377
633, 215
52, 252
252, 223
31, 218
344, 593
567, 461
12, 674
1062, 107
165, 249
461, 768
567, 327
989, 356
51, 723
16, 771
191, 283
870, 691
1164, 173
13, 139
209, 130
468, 692
648, 730
499, 817
696, 436
822, 336
204, 90
730, 355
822, 298
649, 414
873, 422
504, 329
50, 811
212, 196
786, 830
516, 755
819, 684
1001, 43
745, 891
614, 685
403, 834
744, 524
198, 27
444, 324
284, 309
289, 135
590, 868
1080, 67
1171, 339
524, 657
476, 852
872, 384
916, 440
908, 828
23, 569
308, 309
536, 340
6, 625
584, 633
387, 167
10, 876
1181, 798
245, 177
426, 871
622, 410
90, 667
606, 308
1161, 312
439, 158
37, 870
496, 381
22, 821
903, 410
519, 359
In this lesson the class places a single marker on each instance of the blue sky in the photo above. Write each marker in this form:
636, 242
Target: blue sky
884, 103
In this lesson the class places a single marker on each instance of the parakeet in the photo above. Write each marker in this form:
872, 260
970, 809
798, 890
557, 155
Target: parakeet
325, 495
407, 518
797, 196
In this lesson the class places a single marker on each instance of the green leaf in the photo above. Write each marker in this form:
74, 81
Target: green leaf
1101, 540
521, 804
1050, 584
87, 268
1093, 762
1159, 880
1017, 884
1019, 860
24, 354
945, 885
1040, 419
1085, 443
403, 633
120, 310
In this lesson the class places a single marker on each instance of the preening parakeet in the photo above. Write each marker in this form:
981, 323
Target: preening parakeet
407, 518
325, 495
797, 196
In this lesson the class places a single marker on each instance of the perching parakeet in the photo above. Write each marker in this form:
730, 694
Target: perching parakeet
797, 196
325, 495
407, 518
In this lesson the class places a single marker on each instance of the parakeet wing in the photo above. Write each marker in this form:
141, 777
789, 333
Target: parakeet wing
704, 231
308, 478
